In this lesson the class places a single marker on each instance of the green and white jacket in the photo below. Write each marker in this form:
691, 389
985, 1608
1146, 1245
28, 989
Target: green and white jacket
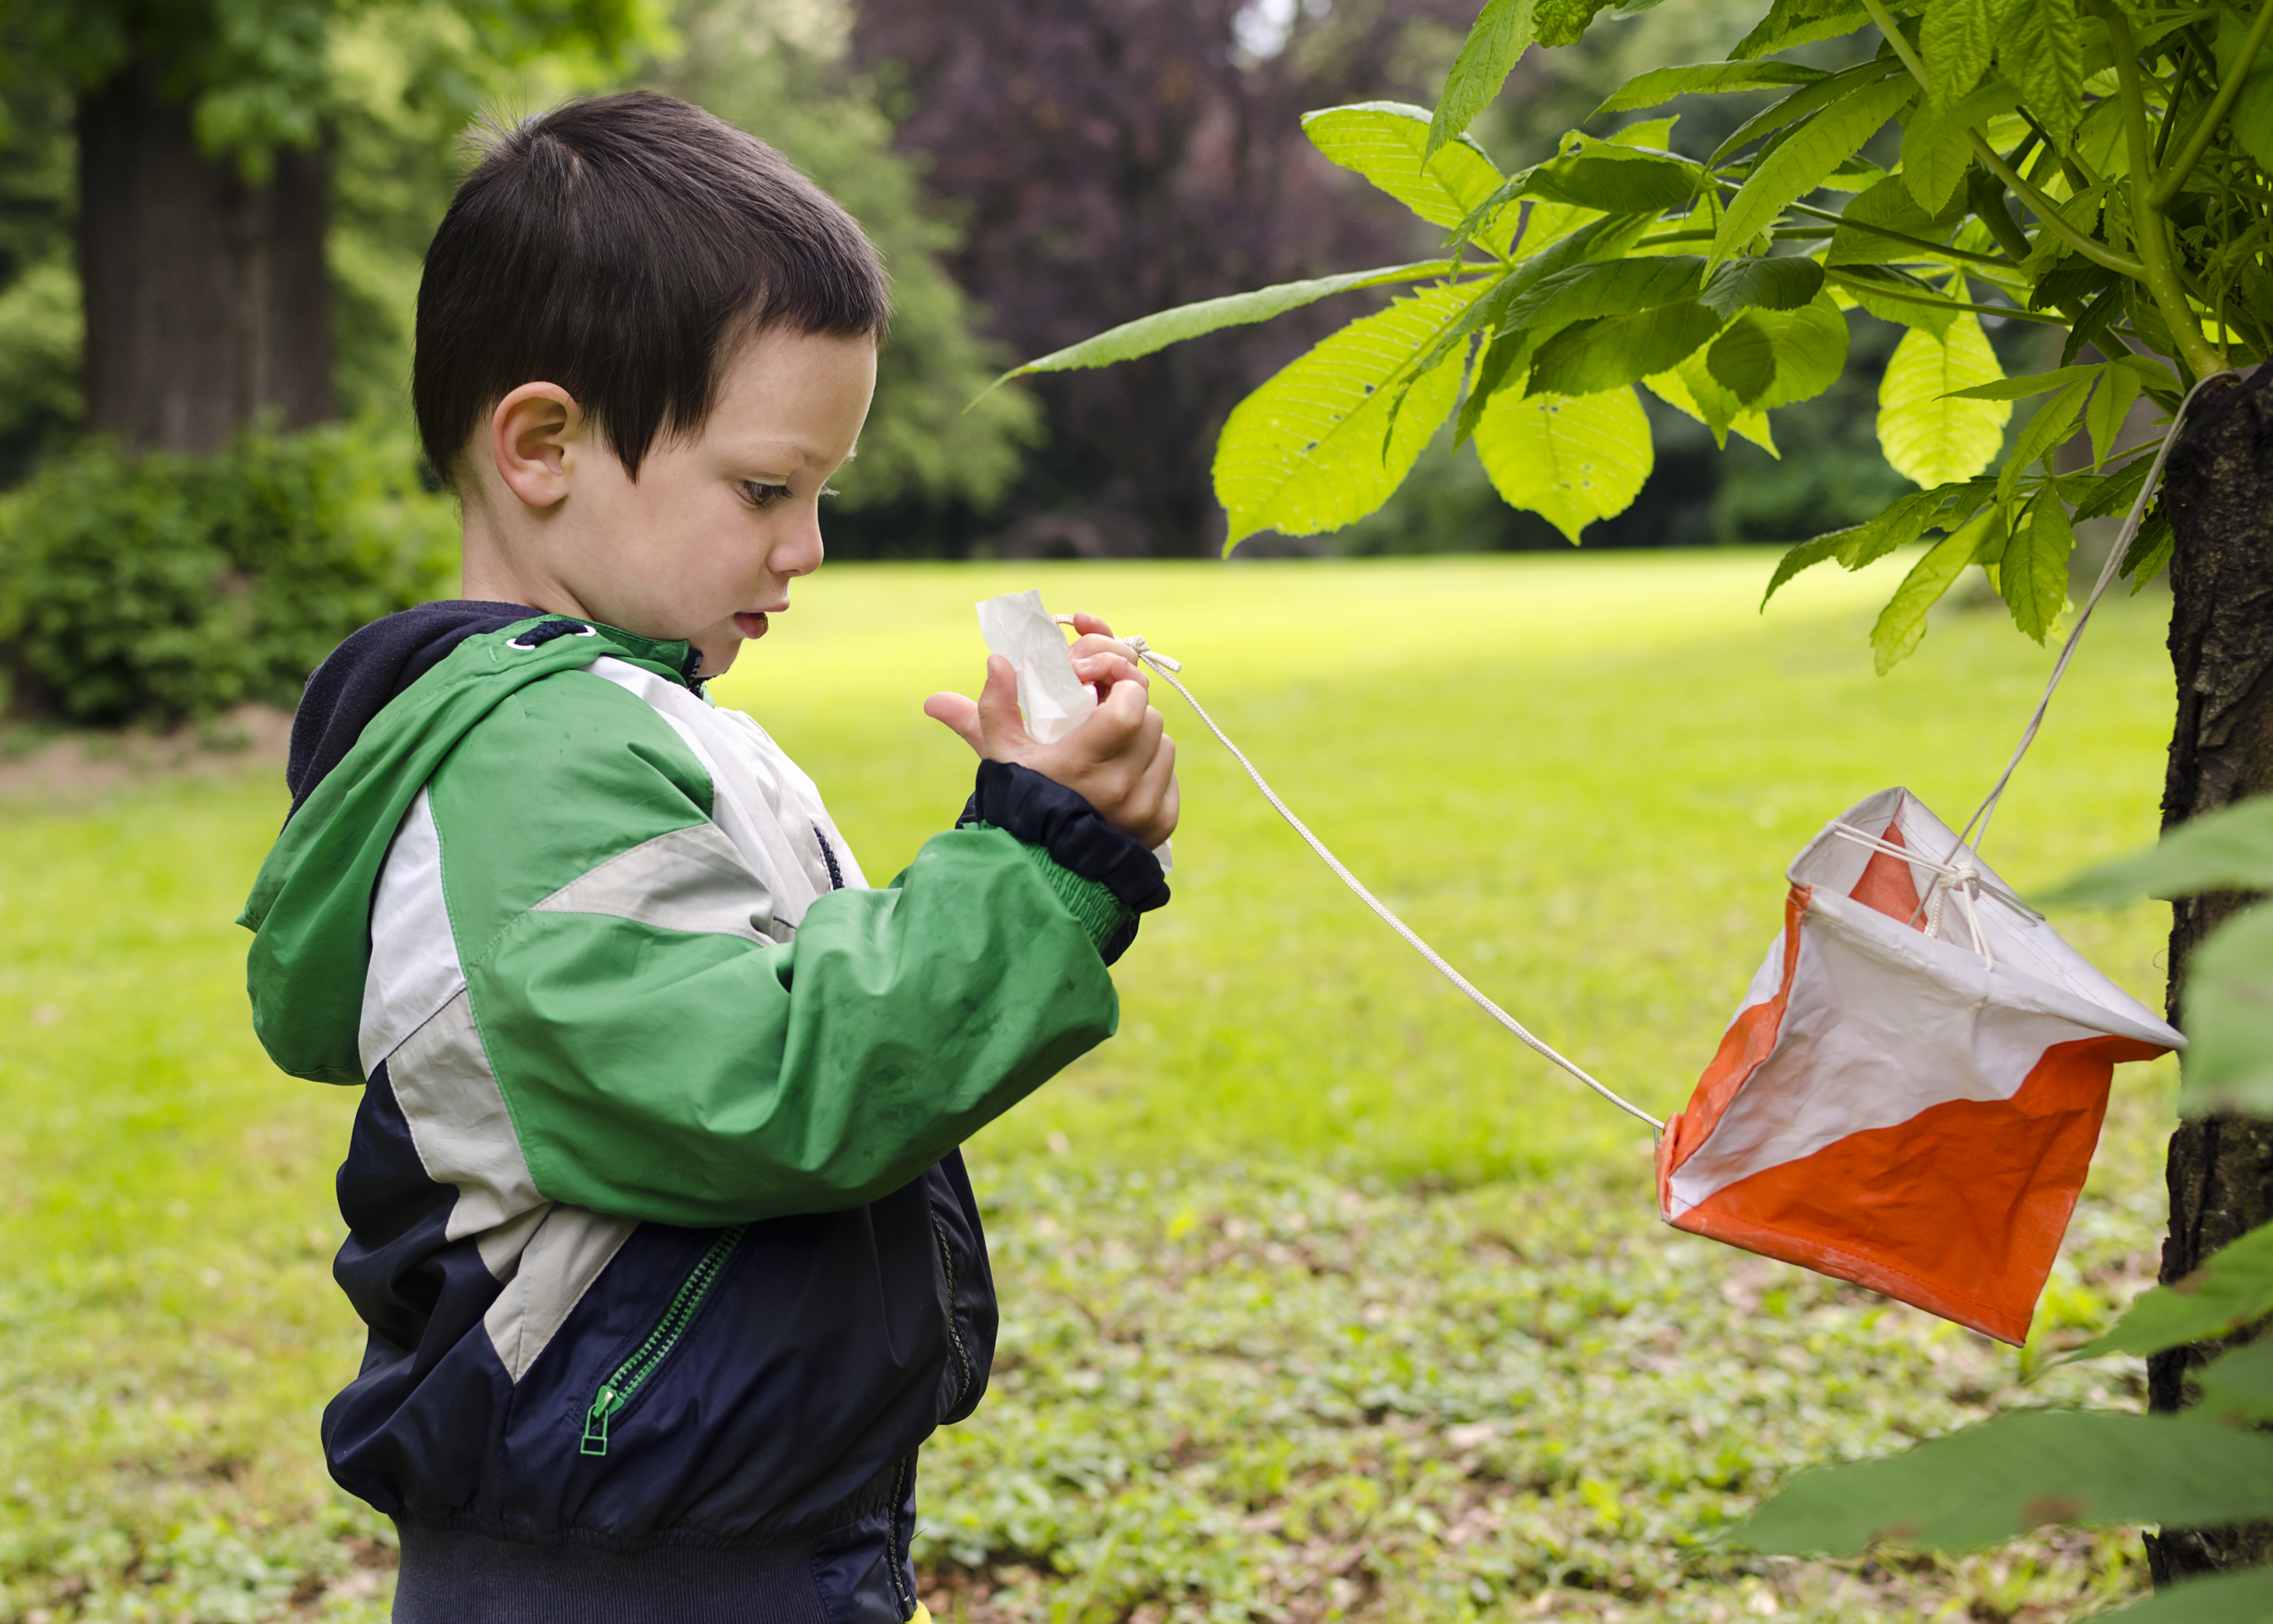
656, 1218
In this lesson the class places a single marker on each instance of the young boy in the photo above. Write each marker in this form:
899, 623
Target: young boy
656, 1217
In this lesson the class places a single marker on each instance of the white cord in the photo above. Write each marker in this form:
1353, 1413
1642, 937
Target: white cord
1167, 668
1966, 878
1977, 827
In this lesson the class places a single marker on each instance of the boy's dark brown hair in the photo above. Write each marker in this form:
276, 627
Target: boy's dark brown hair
621, 247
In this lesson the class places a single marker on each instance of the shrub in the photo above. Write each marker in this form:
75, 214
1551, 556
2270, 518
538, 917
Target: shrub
157, 588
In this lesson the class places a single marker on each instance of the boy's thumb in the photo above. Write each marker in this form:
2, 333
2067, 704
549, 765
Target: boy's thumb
1001, 722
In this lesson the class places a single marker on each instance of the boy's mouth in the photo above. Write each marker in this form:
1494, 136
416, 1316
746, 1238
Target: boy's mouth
751, 624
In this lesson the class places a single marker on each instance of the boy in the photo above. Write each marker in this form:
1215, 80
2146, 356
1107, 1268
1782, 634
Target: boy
657, 1218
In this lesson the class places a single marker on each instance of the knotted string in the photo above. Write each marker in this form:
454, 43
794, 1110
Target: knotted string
1168, 668
1959, 877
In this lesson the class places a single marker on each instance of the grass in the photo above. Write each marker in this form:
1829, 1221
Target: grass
1323, 1298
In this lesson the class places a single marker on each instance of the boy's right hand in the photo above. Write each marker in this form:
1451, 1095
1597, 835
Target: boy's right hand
1120, 759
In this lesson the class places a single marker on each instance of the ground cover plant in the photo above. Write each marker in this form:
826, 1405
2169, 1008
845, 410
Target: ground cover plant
1324, 1301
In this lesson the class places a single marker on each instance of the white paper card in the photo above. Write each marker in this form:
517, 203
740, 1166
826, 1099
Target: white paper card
1017, 627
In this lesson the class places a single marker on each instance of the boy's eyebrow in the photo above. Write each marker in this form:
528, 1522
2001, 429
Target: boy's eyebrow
804, 454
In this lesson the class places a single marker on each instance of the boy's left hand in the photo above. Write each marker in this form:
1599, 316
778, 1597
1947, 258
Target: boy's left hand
1120, 760
1101, 659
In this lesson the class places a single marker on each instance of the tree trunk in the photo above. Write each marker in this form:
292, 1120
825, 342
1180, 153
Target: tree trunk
2219, 494
207, 302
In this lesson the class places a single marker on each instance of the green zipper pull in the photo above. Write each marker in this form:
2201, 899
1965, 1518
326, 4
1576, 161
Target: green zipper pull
595, 1421
633, 1374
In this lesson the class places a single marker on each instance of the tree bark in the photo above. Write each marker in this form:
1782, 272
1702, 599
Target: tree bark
2219, 494
208, 299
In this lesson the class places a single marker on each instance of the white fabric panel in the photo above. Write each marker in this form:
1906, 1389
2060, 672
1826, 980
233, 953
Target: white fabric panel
2045, 972
458, 1120
1885, 1021
1864, 1045
1765, 980
690, 879
501, 1248
761, 799
414, 958
416, 1017
572, 1244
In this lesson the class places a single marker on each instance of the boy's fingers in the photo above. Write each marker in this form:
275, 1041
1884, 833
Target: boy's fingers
1096, 642
1148, 811
1089, 625
1164, 822
1145, 741
1001, 728
1108, 731
1104, 668
1159, 776
958, 713
1128, 703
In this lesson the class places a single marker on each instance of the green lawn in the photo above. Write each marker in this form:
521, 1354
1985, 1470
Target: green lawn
1323, 1298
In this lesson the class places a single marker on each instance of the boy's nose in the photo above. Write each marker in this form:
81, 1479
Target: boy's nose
800, 553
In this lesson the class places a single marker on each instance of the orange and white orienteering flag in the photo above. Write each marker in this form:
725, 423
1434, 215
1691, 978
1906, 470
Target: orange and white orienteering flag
1910, 1093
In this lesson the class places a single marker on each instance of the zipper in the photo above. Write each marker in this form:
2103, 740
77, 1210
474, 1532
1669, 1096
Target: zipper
953, 1331
828, 858
893, 1555
633, 1374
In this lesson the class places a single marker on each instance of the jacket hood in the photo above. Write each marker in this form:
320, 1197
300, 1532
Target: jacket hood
366, 674
380, 716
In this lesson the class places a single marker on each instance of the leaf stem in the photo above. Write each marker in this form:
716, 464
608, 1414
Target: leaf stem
2043, 207
2080, 177
2157, 272
1903, 50
2189, 68
2175, 175
1986, 198
1937, 250
2047, 211
1879, 289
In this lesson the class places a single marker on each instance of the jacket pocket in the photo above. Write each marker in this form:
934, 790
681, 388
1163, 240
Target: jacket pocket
625, 1382
965, 1286
956, 1397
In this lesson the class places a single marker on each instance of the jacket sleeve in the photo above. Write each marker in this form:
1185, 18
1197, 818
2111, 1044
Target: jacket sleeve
660, 1059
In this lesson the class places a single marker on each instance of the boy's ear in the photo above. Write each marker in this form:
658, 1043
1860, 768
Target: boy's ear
533, 434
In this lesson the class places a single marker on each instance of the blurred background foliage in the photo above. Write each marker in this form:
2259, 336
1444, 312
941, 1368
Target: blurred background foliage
1034, 170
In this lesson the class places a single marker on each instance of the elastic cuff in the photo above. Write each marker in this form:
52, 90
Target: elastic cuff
1111, 926
1043, 813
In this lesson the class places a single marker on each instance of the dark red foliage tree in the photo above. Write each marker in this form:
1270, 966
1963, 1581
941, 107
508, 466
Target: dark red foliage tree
1111, 157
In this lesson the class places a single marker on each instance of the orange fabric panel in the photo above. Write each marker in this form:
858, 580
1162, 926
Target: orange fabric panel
1959, 1211
1887, 885
1751, 1038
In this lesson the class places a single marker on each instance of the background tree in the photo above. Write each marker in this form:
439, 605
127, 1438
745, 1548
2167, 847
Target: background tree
784, 74
2096, 168
402, 84
40, 328
205, 143
1108, 157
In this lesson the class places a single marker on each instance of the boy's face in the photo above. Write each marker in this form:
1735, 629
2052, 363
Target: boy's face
704, 546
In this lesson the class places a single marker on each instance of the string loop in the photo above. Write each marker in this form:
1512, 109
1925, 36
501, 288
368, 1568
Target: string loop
1977, 827
1168, 668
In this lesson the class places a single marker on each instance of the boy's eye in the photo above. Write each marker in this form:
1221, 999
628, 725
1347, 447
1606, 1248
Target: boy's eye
760, 494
